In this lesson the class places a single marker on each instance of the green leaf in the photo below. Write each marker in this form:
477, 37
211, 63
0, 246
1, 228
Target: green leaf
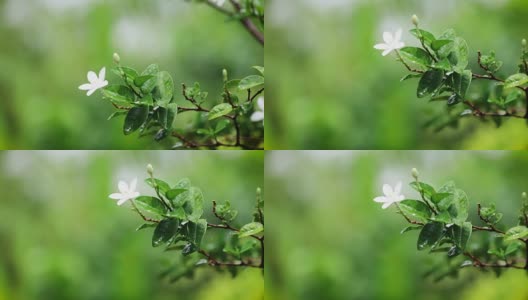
430, 235
184, 183
410, 76
141, 80
171, 194
490, 214
151, 70
512, 248
165, 87
438, 44
260, 69
514, 233
232, 85
415, 209
150, 204
461, 234
422, 187
459, 208
459, 54
221, 125
146, 225
195, 231
225, 212
430, 82
136, 117
251, 82
130, 73
220, 110
490, 62
119, 94
516, 80
443, 217
250, 229
172, 111
150, 84
410, 228
416, 55
189, 249
117, 114
193, 204
439, 197
162, 185
428, 37
165, 231
460, 82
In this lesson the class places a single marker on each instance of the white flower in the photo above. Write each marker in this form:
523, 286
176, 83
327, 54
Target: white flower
126, 192
392, 42
95, 82
258, 115
391, 195
218, 2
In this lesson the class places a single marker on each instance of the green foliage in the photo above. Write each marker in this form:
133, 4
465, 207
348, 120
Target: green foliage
180, 225
444, 76
443, 220
148, 101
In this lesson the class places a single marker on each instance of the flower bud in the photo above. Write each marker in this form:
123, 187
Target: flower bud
117, 59
415, 20
415, 173
524, 196
524, 43
150, 169
224, 75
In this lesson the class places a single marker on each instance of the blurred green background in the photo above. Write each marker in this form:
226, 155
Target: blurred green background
334, 91
328, 239
61, 237
48, 46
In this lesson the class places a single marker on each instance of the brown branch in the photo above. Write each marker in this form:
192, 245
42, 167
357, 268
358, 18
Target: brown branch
248, 24
214, 262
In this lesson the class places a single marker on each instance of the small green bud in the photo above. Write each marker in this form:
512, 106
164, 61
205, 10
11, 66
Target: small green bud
415, 173
415, 20
117, 59
524, 43
150, 169
224, 75
524, 196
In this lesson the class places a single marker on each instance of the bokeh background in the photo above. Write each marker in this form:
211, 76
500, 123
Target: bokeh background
61, 236
328, 239
334, 91
48, 46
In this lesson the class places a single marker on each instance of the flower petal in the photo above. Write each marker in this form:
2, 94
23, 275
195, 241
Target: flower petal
122, 186
381, 46
398, 35
387, 52
387, 190
85, 87
257, 116
260, 103
122, 201
134, 195
133, 184
398, 45
116, 196
387, 37
102, 73
90, 92
92, 77
380, 199
397, 188
386, 204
